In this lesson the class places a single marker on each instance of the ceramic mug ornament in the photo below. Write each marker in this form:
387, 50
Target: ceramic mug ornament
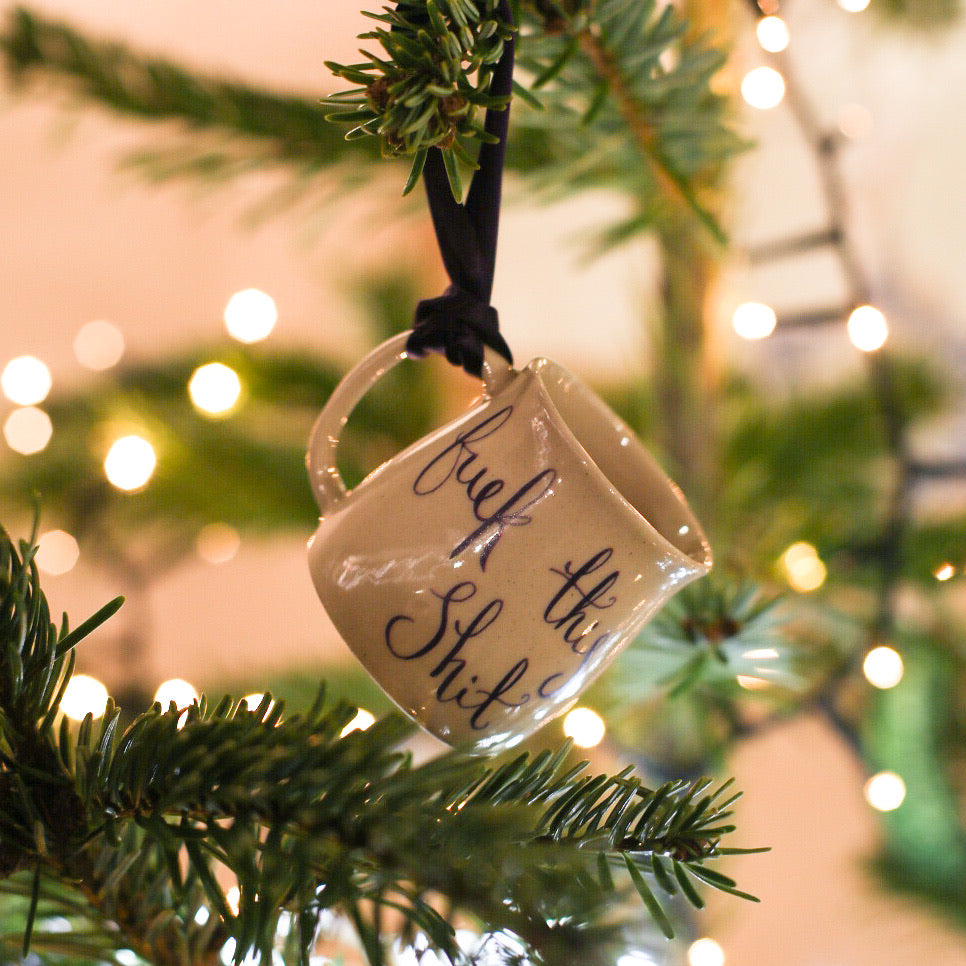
490, 571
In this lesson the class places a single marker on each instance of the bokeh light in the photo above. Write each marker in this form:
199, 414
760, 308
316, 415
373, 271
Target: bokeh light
803, 568
176, 690
772, 33
27, 430
99, 345
883, 667
250, 315
57, 552
868, 329
83, 695
361, 722
754, 320
885, 792
26, 381
214, 389
217, 543
853, 6
585, 726
705, 952
763, 88
945, 572
130, 463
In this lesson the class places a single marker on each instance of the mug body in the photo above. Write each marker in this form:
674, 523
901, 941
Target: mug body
486, 574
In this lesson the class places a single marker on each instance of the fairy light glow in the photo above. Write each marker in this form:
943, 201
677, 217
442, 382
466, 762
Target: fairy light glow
361, 722
83, 695
26, 381
250, 315
217, 543
803, 567
883, 667
750, 683
772, 33
178, 691
130, 463
57, 552
233, 898
853, 6
868, 329
946, 572
585, 726
705, 952
763, 88
754, 320
99, 345
885, 792
215, 389
27, 430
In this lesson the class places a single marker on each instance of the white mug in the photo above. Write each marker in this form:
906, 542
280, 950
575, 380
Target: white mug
490, 571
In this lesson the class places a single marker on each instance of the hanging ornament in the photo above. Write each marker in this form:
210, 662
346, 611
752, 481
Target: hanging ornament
488, 573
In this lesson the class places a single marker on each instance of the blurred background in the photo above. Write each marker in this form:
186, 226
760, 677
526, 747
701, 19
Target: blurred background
133, 253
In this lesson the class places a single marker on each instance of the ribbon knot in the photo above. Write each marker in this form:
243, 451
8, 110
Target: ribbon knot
458, 324
461, 321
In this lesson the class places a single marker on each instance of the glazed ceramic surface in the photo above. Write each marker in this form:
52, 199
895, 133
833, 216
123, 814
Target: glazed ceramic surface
488, 573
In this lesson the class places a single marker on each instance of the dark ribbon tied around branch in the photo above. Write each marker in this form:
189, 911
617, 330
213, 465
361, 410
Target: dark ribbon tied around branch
461, 321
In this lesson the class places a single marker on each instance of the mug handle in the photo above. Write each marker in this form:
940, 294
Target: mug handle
320, 460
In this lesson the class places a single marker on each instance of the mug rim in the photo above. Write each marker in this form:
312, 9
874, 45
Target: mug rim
701, 557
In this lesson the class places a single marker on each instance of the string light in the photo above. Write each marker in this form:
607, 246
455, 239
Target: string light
214, 389
885, 792
217, 543
178, 691
99, 345
361, 722
27, 430
772, 33
585, 726
754, 320
250, 315
883, 667
803, 567
853, 6
57, 552
130, 463
868, 329
705, 952
83, 695
763, 88
946, 572
26, 381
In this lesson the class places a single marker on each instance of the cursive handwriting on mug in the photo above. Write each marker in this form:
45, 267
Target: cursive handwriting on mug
460, 462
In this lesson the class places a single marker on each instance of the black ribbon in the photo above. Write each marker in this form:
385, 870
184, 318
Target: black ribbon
461, 321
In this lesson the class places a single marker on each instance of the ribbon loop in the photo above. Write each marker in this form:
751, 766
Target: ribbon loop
461, 322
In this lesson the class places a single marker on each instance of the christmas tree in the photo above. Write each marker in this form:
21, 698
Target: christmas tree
239, 828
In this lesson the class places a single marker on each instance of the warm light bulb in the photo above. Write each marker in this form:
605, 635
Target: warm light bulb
705, 952
803, 568
763, 88
83, 695
361, 722
214, 389
25, 381
130, 463
250, 315
99, 345
232, 899
885, 791
772, 34
868, 329
585, 726
754, 320
57, 552
178, 691
27, 430
946, 572
853, 6
882, 667
217, 543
